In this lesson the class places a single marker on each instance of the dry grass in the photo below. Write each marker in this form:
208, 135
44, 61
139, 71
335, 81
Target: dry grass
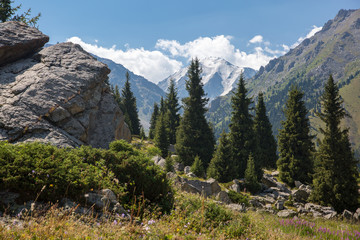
190, 219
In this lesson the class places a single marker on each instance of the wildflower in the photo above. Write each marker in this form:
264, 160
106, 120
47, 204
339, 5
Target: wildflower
122, 215
47, 175
51, 185
151, 222
115, 222
33, 171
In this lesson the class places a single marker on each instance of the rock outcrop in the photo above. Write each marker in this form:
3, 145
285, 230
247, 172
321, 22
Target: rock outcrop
58, 95
17, 40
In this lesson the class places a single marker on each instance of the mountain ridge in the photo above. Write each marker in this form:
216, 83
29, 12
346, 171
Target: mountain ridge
219, 77
333, 50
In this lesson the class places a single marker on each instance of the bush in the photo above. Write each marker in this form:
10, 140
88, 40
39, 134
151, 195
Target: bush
25, 168
197, 168
121, 146
153, 151
238, 198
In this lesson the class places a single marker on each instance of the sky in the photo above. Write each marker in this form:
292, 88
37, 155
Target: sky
155, 38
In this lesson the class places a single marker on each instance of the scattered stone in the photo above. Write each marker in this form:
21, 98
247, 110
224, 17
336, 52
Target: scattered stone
191, 175
237, 207
357, 215
269, 181
178, 167
8, 198
347, 214
223, 197
187, 169
235, 188
300, 195
189, 188
158, 160
286, 213
279, 205
297, 184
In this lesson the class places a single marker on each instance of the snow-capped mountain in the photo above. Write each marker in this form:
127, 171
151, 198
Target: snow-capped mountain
218, 76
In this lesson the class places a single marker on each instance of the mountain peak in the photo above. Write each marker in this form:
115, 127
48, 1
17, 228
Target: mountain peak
218, 76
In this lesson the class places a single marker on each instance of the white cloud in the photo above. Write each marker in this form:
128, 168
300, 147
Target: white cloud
220, 46
165, 60
314, 30
153, 65
256, 39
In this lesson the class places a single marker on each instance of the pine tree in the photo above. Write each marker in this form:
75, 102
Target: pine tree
162, 106
172, 112
6, 11
266, 152
142, 133
251, 178
220, 167
335, 166
194, 136
197, 167
242, 136
153, 120
161, 136
169, 164
295, 141
128, 106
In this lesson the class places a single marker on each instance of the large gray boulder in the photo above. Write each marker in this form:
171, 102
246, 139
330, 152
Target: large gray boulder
59, 95
17, 40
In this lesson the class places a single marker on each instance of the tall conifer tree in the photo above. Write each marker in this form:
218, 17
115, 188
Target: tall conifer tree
128, 105
153, 120
295, 141
242, 135
161, 136
220, 167
336, 169
266, 152
194, 136
173, 108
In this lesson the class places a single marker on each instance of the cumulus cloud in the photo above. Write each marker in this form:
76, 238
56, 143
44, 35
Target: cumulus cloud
221, 46
170, 55
256, 39
153, 65
312, 32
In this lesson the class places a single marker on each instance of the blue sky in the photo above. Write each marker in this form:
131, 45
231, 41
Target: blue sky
156, 38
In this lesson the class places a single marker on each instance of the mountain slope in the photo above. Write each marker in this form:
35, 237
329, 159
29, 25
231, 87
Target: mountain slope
146, 92
336, 50
218, 76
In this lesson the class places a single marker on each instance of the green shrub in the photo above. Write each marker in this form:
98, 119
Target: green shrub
153, 151
238, 198
197, 167
26, 168
121, 146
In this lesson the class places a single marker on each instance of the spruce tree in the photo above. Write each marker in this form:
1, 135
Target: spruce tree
153, 120
142, 133
220, 167
161, 136
242, 135
197, 167
6, 11
251, 178
194, 136
173, 108
128, 105
266, 151
295, 141
169, 164
335, 166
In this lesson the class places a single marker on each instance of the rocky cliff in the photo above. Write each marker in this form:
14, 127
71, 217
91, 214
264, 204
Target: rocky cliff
58, 94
